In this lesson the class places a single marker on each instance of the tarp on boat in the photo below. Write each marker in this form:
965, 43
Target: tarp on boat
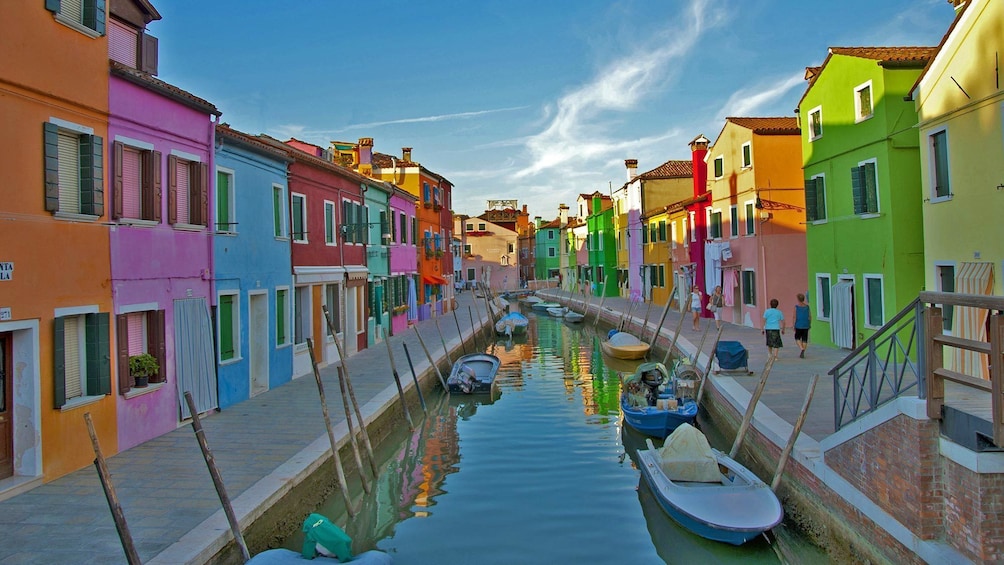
687, 456
621, 339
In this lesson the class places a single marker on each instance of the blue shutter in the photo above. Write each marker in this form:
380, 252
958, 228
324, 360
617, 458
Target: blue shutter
98, 353
58, 363
50, 138
52, 5
94, 15
92, 191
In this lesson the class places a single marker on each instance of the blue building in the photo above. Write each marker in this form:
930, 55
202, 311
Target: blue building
252, 269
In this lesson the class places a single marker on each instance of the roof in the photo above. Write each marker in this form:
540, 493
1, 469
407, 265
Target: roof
153, 83
553, 224
958, 16
903, 57
768, 126
674, 168
303, 156
224, 131
384, 161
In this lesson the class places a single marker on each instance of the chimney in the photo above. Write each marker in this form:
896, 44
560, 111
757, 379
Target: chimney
632, 168
524, 209
366, 155
537, 221
562, 215
406, 154
698, 152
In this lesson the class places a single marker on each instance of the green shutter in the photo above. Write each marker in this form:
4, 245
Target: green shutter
94, 15
50, 138
280, 317
277, 210
97, 340
858, 189
222, 201
810, 200
58, 363
329, 223
226, 327
52, 5
92, 192
871, 189
346, 220
942, 186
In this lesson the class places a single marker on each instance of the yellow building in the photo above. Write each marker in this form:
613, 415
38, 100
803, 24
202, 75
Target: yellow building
657, 270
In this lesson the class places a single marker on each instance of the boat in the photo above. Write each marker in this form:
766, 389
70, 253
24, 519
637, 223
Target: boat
532, 299
558, 312
623, 345
574, 317
654, 402
545, 305
289, 557
513, 323
473, 373
706, 491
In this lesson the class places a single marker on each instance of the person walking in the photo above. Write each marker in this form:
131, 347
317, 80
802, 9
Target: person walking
715, 303
695, 306
803, 321
773, 328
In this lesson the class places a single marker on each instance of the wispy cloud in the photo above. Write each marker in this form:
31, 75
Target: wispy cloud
576, 131
750, 100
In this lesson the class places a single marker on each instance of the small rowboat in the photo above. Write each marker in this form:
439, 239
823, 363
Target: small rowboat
512, 323
621, 345
706, 491
558, 312
653, 404
473, 373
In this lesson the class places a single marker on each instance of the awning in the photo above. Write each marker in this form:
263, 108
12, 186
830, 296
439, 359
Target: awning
433, 279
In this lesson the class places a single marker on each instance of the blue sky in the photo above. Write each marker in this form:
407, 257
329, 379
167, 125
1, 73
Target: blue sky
537, 101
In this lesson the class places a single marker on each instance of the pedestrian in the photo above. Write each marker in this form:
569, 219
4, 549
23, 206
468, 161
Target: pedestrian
803, 321
695, 306
773, 328
715, 303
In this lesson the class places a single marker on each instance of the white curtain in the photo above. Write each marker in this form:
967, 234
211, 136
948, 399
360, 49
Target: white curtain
194, 358
842, 314
971, 323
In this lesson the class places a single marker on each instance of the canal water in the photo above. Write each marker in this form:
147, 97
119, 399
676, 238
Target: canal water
542, 473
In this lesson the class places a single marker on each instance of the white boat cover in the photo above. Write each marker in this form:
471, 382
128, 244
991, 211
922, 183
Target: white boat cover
620, 339
687, 456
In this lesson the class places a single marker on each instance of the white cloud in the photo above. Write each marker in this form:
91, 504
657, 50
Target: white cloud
749, 101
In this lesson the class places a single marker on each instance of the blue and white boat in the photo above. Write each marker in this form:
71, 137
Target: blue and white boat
706, 491
650, 404
474, 373
512, 324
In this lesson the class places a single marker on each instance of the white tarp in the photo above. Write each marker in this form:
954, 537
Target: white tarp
686, 456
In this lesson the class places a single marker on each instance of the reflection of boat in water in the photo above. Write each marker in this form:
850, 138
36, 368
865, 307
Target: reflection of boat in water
467, 405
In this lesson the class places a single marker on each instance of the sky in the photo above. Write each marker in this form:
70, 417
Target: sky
536, 101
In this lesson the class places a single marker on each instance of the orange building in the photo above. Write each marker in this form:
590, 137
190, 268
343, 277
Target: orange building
56, 345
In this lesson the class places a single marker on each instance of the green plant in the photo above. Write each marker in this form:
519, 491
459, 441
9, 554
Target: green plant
143, 366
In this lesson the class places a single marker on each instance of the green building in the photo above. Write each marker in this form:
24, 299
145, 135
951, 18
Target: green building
861, 161
547, 244
601, 245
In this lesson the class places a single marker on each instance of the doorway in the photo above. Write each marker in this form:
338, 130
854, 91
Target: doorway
842, 311
258, 342
6, 407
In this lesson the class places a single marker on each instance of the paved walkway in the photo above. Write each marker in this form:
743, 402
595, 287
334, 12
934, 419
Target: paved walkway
165, 489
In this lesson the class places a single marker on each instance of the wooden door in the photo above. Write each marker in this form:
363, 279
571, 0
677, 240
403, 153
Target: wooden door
6, 407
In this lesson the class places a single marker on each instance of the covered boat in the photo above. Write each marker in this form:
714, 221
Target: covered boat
558, 312
545, 305
650, 403
573, 317
513, 323
706, 491
532, 299
473, 373
622, 345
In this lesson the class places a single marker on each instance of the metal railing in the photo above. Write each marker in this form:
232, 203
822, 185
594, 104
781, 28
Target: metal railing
884, 367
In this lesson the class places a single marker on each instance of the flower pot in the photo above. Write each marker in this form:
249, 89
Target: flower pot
142, 381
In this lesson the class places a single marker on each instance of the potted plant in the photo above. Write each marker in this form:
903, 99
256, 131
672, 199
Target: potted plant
142, 367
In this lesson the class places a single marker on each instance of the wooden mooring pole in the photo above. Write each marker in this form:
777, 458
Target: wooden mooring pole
707, 368
432, 362
132, 556
474, 330
783, 461
221, 489
662, 320
672, 344
397, 381
339, 470
463, 345
442, 339
599, 309
748, 417
414, 377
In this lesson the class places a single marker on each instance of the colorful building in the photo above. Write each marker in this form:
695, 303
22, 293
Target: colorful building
56, 338
755, 247
403, 253
378, 238
546, 249
688, 230
489, 253
961, 171
657, 264
861, 161
252, 271
601, 246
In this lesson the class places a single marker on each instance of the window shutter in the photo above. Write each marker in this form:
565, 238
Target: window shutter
222, 201
858, 189
277, 210
122, 348
117, 184
202, 199
59, 362
226, 327
50, 139
94, 15
172, 189
152, 191
871, 189
280, 317
810, 200
52, 5
156, 343
92, 182
97, 340
346, 220
122, 42
362, 230
148, 54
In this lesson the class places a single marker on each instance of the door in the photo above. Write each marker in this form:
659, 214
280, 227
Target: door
6, 408
258, 342
842, 314
194, 358
350, 344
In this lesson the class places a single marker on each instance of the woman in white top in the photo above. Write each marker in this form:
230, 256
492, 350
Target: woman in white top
695, 306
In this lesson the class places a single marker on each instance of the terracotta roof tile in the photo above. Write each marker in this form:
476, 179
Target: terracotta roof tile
908, 57
674, 168
768, 126
151, 82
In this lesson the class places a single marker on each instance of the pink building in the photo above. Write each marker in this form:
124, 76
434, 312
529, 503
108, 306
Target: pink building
403, 259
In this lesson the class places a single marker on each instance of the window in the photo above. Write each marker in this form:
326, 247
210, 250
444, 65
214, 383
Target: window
225, 212
662, 230
864, 187
282, 316
941, 186
278, 210
298, 212
74, 180
332, 299
385, 231
823, 292
187, 192
672, 232
747, 155
863, 102
81, 356
135, 181
301, 315
550, 234
86, 16
511, 247
137, 333
470, 273
815, 123
874, 311
719, 167
470, 227
662, 276
552, 251
714, 224
750, 218
749, 288
330, 224
426, 194
228, 324
404, 228
467, 249
693, 228
414, 230
815, 199
946, 283
734, 220
653, 232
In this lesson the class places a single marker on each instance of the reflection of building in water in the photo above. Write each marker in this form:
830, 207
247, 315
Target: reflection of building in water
438, 457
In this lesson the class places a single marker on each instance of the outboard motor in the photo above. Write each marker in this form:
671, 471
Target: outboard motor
652, 380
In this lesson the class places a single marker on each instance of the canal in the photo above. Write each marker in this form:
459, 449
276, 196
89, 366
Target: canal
542, 473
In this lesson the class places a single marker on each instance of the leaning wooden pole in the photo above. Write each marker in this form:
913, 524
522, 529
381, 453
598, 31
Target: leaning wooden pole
221, 489
748, 417
672, 344
414, 377
343, 365
481, 321
352, 430
463, 346
474, 330
707, 368
339, 470
132, 556
700, 348
442, 339
599, 309
662, 320
644, 323
432, 362
783, 461
397, 381
585, 306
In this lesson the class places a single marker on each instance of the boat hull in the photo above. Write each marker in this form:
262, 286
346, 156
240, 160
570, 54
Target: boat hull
657, 422
638, 351
484, 366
